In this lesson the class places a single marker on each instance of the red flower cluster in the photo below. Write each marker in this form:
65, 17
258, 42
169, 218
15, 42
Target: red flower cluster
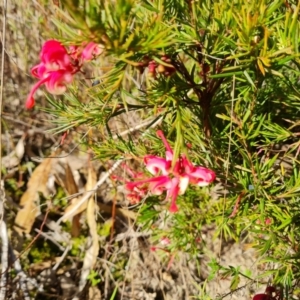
58, 66
174, 180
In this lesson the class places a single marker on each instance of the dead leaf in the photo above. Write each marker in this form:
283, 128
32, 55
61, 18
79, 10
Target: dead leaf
91, 220
91, 181
65, 177
29, 201
71, 188
91, 255
91, 212
75, 229
261, 66
94, 293
72, 205
67, 181
70, 183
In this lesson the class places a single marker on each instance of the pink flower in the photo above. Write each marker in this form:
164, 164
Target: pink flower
155, 164
173, 193
55, 70
156, 185
57, 66
136, 192
174, 180
74, 52
201, 176
56, 84
194, 174
91, 50
268, 221
29, 102
54, 56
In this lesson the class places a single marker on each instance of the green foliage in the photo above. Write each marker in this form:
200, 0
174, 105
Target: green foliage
93, 277
226, 83
78, 244
35, 255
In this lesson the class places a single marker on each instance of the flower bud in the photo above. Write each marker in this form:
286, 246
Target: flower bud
161, 69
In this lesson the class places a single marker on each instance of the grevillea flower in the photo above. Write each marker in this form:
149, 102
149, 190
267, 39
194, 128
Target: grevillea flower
135, 192
57, 66
55, 70
91, 50
54, 56
85, 52
55, 82
173, 180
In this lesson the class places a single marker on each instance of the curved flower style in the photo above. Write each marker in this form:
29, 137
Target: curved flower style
55, 83
172, 180
156, 164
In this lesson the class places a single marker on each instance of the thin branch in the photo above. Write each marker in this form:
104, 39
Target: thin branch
4, 249
61, 259
228, 157
2, 76
130, 130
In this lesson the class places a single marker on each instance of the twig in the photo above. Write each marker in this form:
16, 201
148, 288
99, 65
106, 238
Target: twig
61, 259
116, 136
2, 74
5, 245
237, 205
4, 253
16, 261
